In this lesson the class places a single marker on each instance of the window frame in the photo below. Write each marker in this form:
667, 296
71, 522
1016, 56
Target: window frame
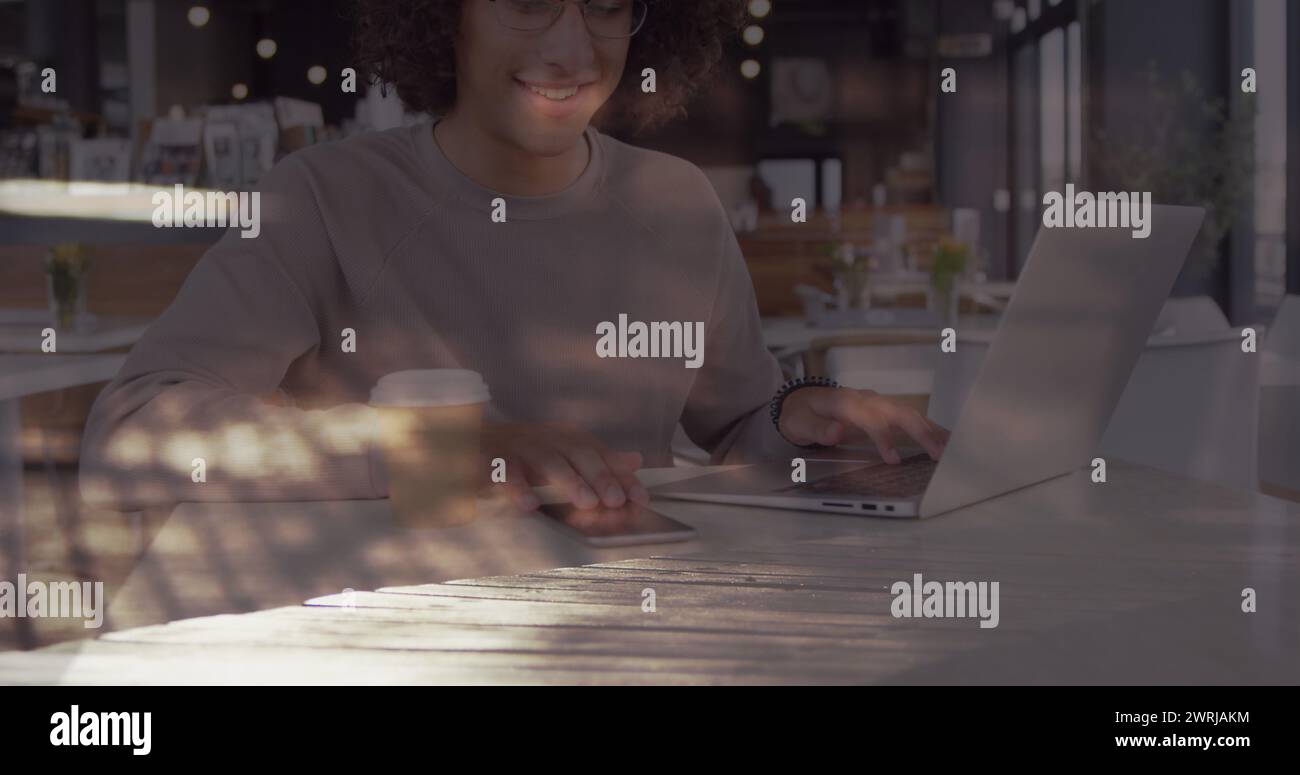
1051, 17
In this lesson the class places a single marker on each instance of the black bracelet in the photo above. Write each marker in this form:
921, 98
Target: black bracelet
784, 393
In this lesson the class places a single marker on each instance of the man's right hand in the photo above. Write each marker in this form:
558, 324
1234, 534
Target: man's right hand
586, 471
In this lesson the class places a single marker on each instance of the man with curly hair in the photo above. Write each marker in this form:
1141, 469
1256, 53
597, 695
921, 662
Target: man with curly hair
393, 236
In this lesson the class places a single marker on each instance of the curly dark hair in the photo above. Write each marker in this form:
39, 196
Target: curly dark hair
408, 44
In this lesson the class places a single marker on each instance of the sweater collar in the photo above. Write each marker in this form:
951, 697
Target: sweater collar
450, 181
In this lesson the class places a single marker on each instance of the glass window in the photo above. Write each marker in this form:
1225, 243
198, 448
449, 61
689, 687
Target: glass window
1025, 152
1051, 109
1046, 128
1270, 153
1074, 101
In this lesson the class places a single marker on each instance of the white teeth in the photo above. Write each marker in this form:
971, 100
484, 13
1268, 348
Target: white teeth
553, 94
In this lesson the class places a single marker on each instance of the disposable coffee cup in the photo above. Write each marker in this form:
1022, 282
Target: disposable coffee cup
430, 421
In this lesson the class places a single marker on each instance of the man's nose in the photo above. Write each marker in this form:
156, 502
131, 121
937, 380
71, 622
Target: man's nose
567, 43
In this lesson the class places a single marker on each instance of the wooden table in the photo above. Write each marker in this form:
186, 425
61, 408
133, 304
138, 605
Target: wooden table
20, 332
794, 334
1138, 580
214, 558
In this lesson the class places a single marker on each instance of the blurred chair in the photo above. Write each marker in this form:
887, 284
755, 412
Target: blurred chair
899, 365
1190, 406
907, 349
843, 362
1279, 403
1191, 315
814, 300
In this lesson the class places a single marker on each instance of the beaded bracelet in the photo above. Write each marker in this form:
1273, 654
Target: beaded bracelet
784, 393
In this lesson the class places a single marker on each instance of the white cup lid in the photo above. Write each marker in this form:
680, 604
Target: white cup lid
430, 387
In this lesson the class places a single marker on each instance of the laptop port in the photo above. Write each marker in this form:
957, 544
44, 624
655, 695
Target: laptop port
889, 508
838, 505
868, 507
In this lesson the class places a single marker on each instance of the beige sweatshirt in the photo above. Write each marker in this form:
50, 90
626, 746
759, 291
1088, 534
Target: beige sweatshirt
247, 384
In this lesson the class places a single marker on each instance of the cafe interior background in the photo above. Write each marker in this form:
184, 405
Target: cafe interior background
922, 203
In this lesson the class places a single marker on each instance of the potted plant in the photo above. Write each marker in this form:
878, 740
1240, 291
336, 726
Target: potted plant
949, 261
66, 268
849, 268
1190, 150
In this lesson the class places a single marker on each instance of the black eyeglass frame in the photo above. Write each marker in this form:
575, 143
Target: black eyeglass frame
640, 10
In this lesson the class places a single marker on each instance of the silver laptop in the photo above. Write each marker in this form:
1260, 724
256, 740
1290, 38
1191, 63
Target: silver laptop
1086, 301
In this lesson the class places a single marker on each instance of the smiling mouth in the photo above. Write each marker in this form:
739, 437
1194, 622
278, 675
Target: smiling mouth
553, 94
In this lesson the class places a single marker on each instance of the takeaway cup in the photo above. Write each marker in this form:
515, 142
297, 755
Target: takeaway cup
430, 421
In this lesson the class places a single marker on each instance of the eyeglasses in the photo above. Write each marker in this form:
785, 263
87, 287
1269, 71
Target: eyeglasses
604, 18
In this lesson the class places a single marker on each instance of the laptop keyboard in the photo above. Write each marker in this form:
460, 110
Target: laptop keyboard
904, 480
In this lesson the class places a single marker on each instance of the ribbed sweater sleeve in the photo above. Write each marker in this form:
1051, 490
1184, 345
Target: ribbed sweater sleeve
192, 415
727, 410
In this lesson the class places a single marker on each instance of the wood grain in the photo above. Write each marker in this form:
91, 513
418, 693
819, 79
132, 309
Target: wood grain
1137, 583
